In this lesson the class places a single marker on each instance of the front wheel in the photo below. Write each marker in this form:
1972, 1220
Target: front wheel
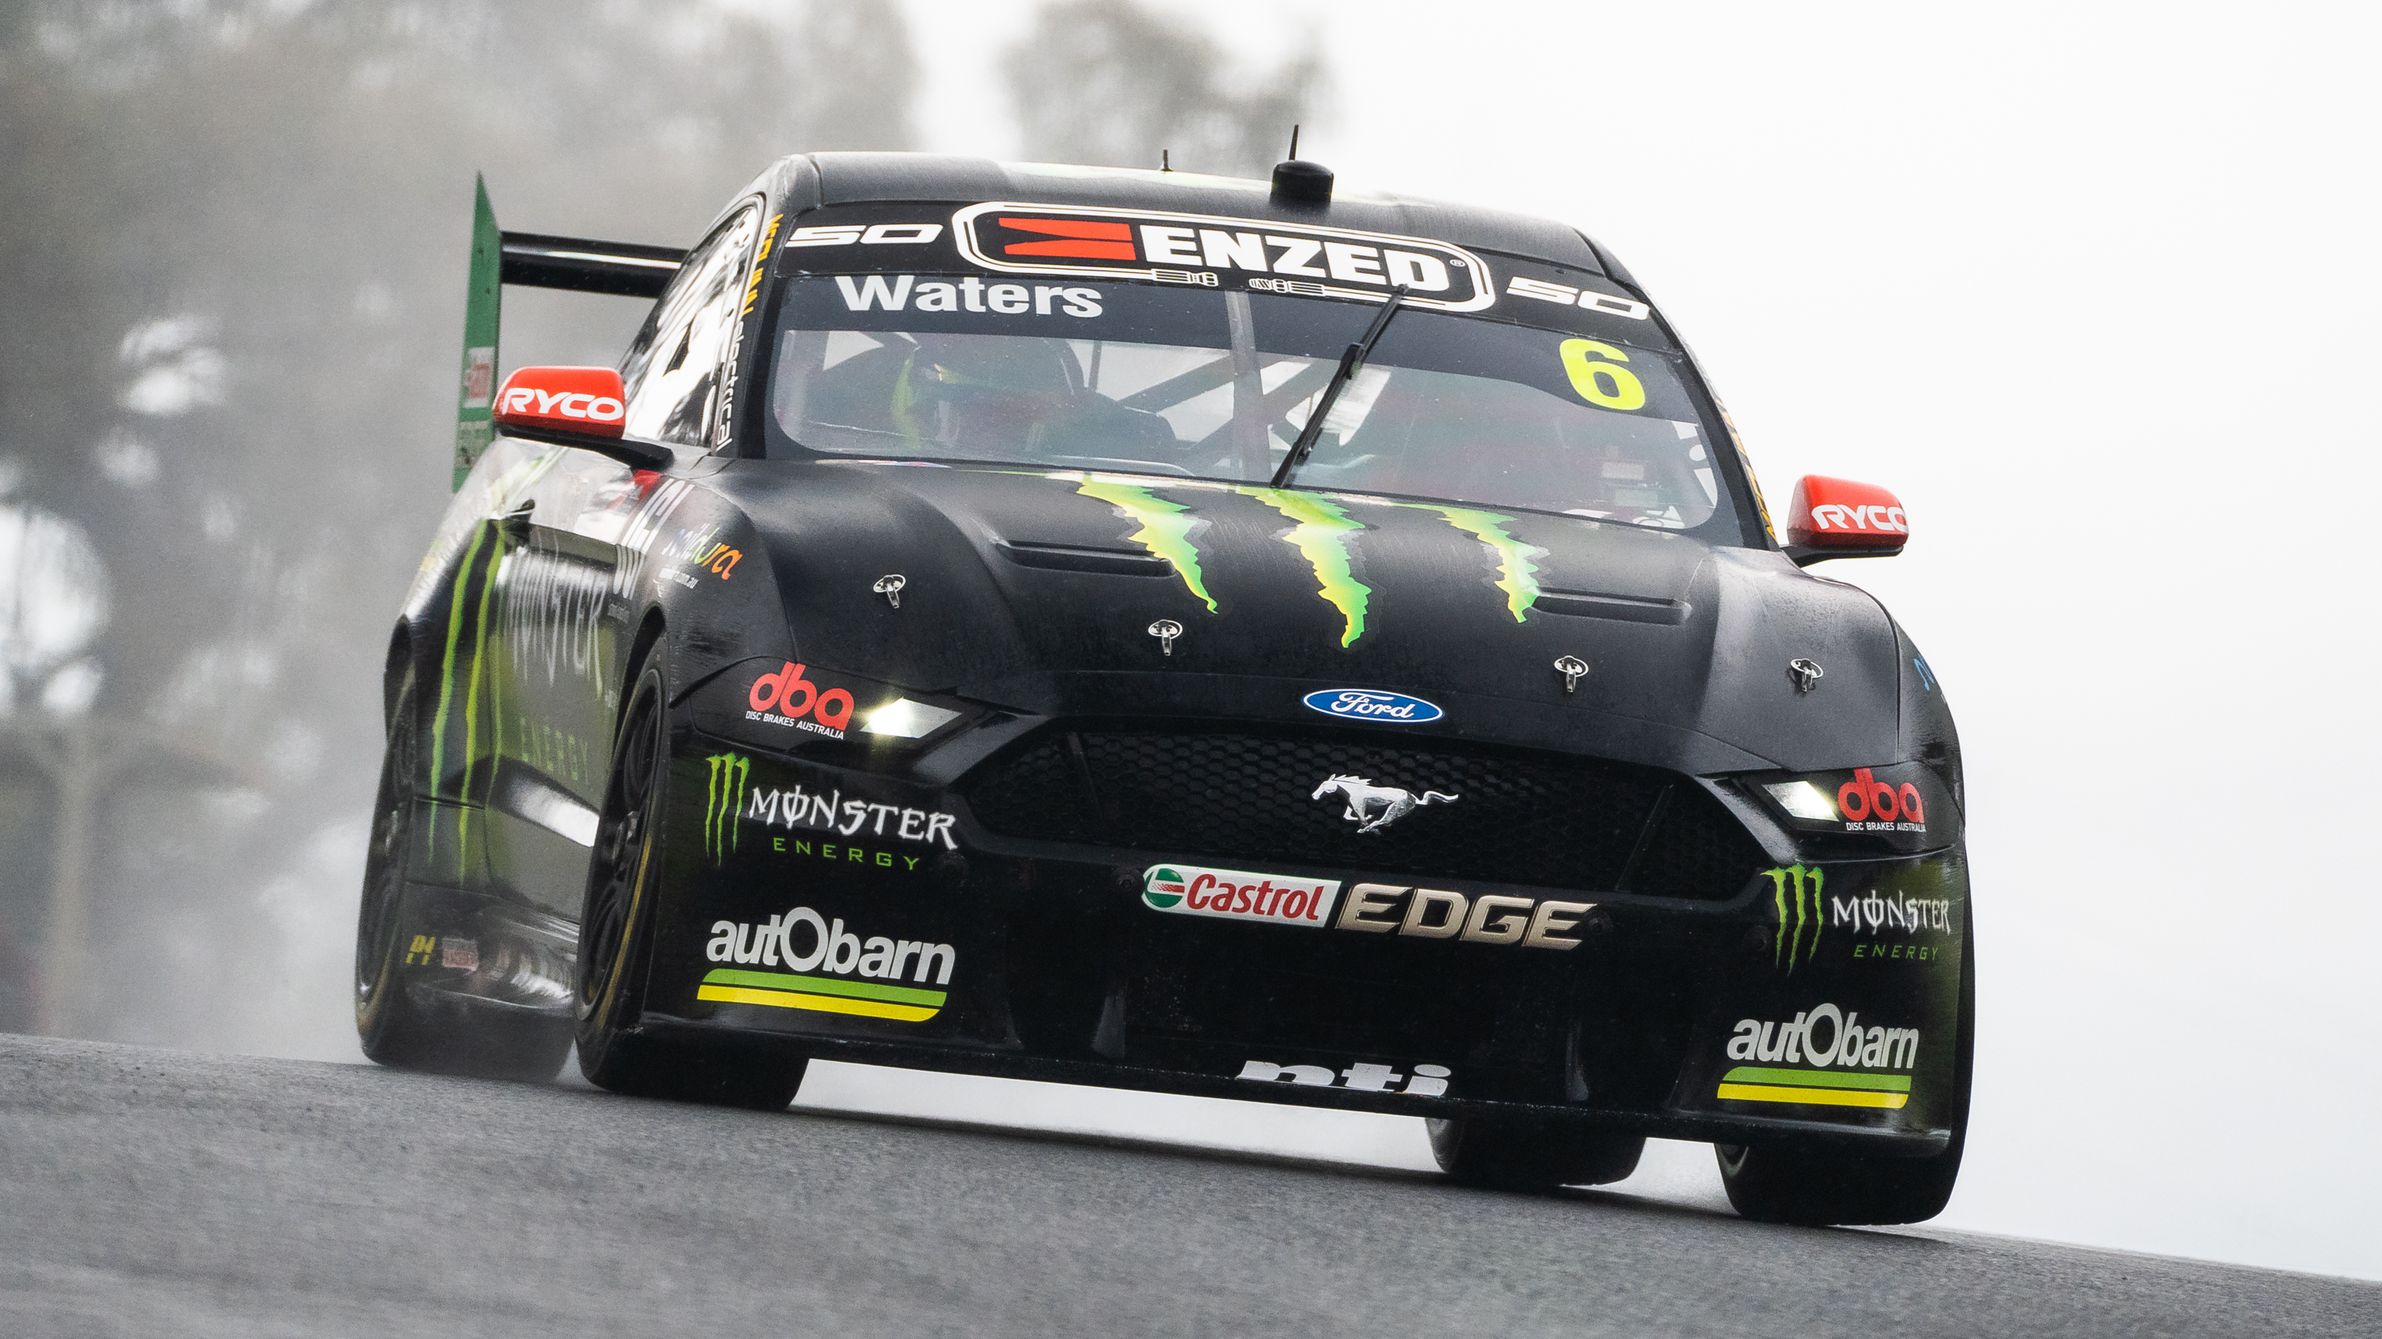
1531, 1152
616, 936
1784, 1184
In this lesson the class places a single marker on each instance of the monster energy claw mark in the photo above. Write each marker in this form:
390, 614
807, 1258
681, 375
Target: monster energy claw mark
1808, 884
1321, 535
1165, 529
1517, 561
723, 802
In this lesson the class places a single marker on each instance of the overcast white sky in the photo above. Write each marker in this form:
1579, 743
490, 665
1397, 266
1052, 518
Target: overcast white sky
2095, 289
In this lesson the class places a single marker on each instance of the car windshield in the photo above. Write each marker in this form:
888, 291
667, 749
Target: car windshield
1179, 380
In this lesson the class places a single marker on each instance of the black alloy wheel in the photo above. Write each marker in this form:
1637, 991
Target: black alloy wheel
1533, 1153
616, 937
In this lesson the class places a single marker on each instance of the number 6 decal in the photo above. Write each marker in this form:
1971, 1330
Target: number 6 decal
1605, 383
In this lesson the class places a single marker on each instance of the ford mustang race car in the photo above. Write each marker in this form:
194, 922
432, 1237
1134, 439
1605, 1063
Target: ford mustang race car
1180, 633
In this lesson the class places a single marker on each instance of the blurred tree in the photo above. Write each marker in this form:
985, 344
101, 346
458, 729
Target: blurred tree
234, 259
1111, 83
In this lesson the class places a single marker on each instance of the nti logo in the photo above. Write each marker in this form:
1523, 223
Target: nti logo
1427, 1081
785, 697
1233, 894
1874, 805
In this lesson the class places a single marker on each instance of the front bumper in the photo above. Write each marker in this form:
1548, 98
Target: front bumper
849, 913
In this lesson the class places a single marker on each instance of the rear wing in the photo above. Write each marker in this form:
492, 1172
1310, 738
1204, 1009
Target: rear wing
533, 260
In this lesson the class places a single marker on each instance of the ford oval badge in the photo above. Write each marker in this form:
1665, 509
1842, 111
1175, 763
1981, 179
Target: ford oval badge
1372, 704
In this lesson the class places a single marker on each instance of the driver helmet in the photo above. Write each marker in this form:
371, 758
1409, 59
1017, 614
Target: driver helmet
982, 393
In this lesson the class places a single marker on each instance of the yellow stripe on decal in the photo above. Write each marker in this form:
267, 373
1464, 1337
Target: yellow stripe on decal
1819, 1097
825, 1004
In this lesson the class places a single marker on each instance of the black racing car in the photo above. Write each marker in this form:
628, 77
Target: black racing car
1170, 632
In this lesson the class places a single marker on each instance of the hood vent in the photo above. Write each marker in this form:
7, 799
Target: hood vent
1069, 558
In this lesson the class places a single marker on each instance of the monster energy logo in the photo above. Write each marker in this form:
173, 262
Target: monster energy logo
1320, 530
1807, 886
723, 797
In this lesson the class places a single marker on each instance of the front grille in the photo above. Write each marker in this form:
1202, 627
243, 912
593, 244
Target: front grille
1537, 819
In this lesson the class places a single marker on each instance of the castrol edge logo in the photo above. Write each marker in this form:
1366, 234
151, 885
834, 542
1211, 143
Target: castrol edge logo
1189, 890
1202, 250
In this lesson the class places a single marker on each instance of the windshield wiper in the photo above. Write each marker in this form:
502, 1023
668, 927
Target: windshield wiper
1351, 358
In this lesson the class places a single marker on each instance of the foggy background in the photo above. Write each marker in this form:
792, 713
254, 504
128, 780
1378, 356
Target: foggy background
2094, 289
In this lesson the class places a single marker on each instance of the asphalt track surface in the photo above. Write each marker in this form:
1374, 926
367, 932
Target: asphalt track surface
149, 1193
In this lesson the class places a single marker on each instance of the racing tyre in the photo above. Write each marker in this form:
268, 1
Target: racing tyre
616, 937
393, 1025
1531, 1152
1775, 1184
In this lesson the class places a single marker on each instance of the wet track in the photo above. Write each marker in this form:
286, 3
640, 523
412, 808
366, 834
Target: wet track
150, 1192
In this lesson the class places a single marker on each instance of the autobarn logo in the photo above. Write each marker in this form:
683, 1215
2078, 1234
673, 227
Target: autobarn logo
803, 960
1213, 252
1823, 1056
1278, 899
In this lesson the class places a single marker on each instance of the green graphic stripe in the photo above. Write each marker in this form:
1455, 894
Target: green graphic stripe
471, 704
825, 985
1778, 895
1517, 562
1819, 1078
1321, 535
446, 681
1816, 881
1165, 529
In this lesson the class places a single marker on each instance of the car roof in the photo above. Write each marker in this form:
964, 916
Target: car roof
822, 179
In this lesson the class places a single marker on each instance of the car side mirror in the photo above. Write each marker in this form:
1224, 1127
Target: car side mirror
583, 407
1838, 518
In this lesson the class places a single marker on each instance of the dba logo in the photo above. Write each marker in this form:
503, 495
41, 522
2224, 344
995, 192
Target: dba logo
1372, 704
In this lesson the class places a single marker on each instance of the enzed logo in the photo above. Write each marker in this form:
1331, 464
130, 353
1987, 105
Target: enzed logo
723, 802
1428, 1080
785, 697
1786, 947
1822, 1057
1265, 254
1238, 895
828, 969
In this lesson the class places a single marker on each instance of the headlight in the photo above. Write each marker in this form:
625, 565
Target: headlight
903, 718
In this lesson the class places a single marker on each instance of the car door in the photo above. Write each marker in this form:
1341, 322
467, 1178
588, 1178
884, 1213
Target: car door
571, 590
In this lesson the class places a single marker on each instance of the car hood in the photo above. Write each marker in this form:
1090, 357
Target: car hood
1038, 590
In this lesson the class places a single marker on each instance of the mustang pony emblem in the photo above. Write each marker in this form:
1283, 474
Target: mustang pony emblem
1372, 807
